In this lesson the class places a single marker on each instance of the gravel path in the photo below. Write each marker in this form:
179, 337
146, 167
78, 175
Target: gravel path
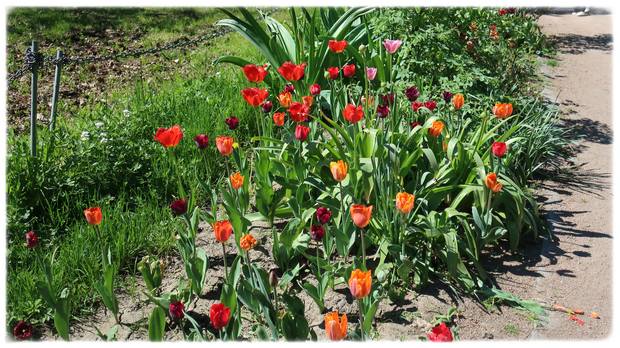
575, 269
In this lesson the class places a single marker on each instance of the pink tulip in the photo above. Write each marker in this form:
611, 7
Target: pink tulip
392, 45
371, 73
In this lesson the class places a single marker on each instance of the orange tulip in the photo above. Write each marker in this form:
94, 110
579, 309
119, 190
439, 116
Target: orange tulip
307, 100
502, 110
93, 215
222, 230
436, 129
285, 99
361, 214
492, 183
405, 202
458, 100
247, 242
278, 119
335, 328
339, 170
236, 180
360, 283
224, 145
169, 137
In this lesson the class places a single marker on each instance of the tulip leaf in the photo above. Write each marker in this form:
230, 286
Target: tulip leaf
157, 324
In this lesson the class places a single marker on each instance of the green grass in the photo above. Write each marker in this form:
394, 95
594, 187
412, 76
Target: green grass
119, 168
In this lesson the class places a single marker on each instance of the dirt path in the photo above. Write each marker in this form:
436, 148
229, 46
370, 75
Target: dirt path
575, 270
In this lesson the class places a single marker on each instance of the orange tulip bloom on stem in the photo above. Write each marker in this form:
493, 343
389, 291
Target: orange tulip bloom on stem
458, 100
492, 183
278, 119
169, 137
335, 328
247, 242
361, 214
224, 145
285, 99
501, 110
436, 129
236, 180
222, 230
405, 202
360, 283
339, 170
93, 215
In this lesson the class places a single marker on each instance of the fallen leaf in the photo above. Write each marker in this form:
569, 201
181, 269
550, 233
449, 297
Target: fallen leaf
595, 315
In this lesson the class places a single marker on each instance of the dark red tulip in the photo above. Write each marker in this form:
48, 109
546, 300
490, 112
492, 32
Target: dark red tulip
232, 122
430, 104
317, 232
383, 111
289, 88
267, 105
412, 93
178, 207
416, 105
202, 141
219, 315
32, 240
447, 96
176, 310
323, 215
22, 330
388, 99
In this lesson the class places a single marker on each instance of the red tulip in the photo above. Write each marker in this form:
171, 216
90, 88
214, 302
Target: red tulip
254, 96
337, 46
430, 104
416, 105
169, 137
415, 124
32, 240
232, 122
298, 111
383, 111
317, 232
176, 310
255, 73
348, 70
499, 149
178, 207
352, 113
315, 89
219, 315
22, 331
224, 144
292, 72
202, 141
440, 333
333, 72
323, 215
301, 132
93, 215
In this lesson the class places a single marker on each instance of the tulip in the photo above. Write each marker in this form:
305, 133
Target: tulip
273, 278
335, 328
236, 180
371, 73
499, 149
337, 46
219, 315
470, 46
352, 113
254, 73
323, 214
502, 110
299, 112
383, 111
391, 46
224, 144
492, 183
412, 93
301, 132
93, 215
440, 333
32, 240
339, 170
178, 207
292, 72
388, 98
447, 96
289, 88
361, 214
22, 330
169, 137
232, 122
285, 99
315, 89
278, 119
430, 104
176, 310
436, 129
458, 101
202, 141
416, 105
333, 72
348, 70
307, 100
247, 242
222, 230
266, 106
360, 283
254, 96
317, 232
405, 202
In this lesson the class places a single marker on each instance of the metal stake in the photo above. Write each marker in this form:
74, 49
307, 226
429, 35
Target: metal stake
59, 56
33, 100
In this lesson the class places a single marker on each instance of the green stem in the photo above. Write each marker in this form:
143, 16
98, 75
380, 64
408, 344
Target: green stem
225, 263
363, 248
359, 306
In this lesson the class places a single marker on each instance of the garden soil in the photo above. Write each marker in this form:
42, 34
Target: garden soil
572, 269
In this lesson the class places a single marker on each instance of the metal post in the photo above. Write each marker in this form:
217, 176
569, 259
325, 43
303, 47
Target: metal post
59, 56
33, 100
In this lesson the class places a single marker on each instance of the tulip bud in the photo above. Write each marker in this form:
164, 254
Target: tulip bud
289, 88
315, 89
267, 106
31, 239
179, 207
362, 48
273, 278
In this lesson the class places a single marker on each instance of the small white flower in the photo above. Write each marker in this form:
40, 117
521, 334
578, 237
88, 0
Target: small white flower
85, 135
126, 113
98, 124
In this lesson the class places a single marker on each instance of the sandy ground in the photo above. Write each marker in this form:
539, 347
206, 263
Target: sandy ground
573, 270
